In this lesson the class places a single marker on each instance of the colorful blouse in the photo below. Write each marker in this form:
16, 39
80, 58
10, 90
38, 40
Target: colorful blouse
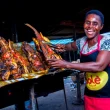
104, 44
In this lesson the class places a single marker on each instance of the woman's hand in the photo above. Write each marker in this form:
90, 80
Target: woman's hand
58, 63
60, 48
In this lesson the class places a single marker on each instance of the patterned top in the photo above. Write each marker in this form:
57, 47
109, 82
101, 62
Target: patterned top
104, 44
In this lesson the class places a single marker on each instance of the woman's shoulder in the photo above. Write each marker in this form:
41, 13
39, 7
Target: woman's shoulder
80, 42
105, 37
82, 39
105, 42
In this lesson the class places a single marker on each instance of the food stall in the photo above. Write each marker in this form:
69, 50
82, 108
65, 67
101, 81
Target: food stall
25, 76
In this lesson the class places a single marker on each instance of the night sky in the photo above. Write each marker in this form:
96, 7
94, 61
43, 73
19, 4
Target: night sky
42, 15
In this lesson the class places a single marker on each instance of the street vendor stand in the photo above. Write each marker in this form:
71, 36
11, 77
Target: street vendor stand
29, 89
18, 92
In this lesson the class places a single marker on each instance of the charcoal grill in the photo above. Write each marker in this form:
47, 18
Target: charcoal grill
29, 89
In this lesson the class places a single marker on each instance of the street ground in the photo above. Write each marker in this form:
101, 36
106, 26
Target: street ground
56, 100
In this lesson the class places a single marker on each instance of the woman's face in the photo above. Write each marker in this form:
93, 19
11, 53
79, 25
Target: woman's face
92, 25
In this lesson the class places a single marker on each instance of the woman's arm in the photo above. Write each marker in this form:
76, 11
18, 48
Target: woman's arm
101, 62
66, 47
71, 46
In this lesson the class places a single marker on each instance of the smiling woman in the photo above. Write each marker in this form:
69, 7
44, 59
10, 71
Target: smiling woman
94, 63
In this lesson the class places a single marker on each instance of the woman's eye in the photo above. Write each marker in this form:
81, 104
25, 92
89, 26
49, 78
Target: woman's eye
95, 23
87, 22
91, 23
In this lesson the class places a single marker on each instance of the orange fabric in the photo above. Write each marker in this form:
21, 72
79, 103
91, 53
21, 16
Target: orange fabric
93, 103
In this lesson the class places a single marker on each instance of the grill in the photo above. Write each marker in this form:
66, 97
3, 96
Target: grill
18, 92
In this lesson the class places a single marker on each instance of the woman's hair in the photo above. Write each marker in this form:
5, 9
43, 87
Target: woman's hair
97, 12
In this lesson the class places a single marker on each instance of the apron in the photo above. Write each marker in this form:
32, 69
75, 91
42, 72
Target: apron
97, 89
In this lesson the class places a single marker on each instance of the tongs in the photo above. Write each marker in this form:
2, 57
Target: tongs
50, 44
54, 47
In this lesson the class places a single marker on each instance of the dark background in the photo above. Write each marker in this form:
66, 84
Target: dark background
44, 15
